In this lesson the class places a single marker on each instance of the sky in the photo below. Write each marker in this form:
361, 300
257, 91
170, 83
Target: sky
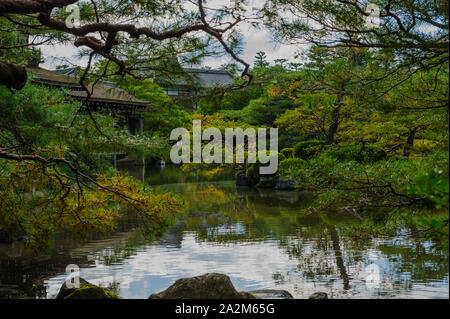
254, 41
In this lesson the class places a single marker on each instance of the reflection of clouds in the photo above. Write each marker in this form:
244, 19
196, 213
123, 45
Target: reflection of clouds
278, 253
251, 265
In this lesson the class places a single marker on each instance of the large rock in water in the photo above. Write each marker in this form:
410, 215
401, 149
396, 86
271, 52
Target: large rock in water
285, 184
86, 291
319, 295
208, 286
266, 182
242, 180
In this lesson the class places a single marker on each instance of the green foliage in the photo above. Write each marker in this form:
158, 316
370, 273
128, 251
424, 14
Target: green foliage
287, 140
433, 185
359, 153
264, 111
38, 198
252, 173
288, 152
382, 111
13, 45
417, 187
288, 166
355, 132
260, 60
307, 149
239, 99
163, 114
436, 229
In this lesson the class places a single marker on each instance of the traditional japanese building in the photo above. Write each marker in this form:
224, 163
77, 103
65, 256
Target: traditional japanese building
187, 91
106, 97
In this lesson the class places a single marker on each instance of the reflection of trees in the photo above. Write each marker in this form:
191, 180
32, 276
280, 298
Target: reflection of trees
319, 242
339, 261
114, 287
218, 213
24, 274
416, 259
208, 207
173, 174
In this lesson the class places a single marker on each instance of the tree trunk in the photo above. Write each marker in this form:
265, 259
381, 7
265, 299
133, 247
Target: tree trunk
334, 124
410, 141
338, 254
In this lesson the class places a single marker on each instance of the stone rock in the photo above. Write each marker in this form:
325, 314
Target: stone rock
85, 291
241, 180
319, 295
271, 294
208, 286
266, 182
284, 184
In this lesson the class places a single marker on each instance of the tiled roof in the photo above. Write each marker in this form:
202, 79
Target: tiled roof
102, 92
202, 78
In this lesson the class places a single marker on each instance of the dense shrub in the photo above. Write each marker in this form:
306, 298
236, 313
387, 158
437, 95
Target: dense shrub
281, 157
307, 149
264, 110
287, 141
359, 153
288, 152
291, 163
252, 173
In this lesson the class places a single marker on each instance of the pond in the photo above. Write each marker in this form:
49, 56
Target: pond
261, 239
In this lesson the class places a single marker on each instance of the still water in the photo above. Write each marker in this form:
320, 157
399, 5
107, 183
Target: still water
262, 239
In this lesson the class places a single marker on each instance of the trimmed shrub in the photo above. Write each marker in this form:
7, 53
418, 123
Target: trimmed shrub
288, 152
307, 149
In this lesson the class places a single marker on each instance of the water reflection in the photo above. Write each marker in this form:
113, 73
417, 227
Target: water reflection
260, 239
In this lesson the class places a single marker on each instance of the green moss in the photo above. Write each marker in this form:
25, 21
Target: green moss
92, 292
